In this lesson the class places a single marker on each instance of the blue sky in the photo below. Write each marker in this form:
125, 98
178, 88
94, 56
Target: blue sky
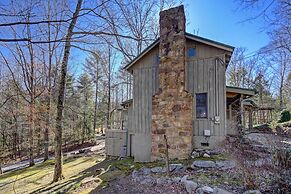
221, 20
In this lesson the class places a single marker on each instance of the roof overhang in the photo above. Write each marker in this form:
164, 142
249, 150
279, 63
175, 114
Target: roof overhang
249, 103
234, 91
210, 42
143, 53
188, 36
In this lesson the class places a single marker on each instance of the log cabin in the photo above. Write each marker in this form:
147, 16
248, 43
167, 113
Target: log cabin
179, 93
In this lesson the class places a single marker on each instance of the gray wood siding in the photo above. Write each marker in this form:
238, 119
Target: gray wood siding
145, 85
200, 78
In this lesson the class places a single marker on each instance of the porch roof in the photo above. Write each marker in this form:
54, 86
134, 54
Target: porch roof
232, 92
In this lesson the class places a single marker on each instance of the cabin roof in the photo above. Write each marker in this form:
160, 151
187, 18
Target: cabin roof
188, 36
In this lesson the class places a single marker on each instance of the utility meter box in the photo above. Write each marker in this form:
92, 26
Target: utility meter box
217, 119
207, 133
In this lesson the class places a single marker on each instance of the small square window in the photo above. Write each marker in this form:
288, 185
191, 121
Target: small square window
191, 52
201, 105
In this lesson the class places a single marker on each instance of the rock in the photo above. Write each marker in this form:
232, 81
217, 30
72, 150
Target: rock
263, 161
206, 155
199, 191
176, 167
190, 185
259, 162
147, 180
158, 170
207, 189
225, 164
176, 179
220, 191
252, 192
164, 180
160, 181
145, 171
135, 176
195, 154
280, 129
203, 164
213, 152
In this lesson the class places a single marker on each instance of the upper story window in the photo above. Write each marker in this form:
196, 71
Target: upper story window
191, 52
201, 105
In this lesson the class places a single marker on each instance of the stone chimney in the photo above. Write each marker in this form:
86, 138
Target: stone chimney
172, 105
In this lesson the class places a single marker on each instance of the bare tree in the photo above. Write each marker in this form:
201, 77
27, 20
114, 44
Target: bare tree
58, 174
50, 49
280, 62
277, 16
93, 67
25, 58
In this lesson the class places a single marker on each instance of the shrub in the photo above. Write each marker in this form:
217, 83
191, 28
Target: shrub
285, 116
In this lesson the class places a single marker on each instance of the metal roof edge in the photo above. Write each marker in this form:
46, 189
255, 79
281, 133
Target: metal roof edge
212, 42
253, 91
144, 52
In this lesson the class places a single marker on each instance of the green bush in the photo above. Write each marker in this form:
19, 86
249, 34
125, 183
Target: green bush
285, 116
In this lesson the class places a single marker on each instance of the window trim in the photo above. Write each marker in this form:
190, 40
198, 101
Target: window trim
207, 111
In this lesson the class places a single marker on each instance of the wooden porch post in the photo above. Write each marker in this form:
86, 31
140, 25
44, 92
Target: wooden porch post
242, 114
230, 111
250, 118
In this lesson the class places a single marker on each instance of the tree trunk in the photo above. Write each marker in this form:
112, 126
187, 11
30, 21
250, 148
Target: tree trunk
31, 131
109, 91
96, 103
84, 127
46, 130
49, 87
39, 142
61, 96
281, 86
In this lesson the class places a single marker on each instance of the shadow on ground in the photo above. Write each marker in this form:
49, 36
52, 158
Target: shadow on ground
70, 184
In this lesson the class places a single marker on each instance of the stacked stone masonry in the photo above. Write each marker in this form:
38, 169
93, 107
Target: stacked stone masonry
172, 106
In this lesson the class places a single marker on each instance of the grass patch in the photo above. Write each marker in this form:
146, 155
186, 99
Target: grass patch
111, 175
38, 178
213, 158
127, 165
217, 178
